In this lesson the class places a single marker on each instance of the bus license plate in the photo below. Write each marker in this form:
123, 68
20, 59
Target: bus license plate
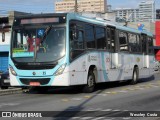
34, 84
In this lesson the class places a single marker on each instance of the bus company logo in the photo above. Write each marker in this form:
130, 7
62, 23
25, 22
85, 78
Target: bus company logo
34, 73
138, 59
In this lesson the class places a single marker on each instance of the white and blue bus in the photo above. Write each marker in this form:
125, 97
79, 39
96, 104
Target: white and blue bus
67, 49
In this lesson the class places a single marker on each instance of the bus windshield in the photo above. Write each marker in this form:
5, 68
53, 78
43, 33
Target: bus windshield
38, 44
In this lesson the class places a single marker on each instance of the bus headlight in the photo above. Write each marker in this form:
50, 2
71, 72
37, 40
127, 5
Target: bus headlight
60, 70
13, 71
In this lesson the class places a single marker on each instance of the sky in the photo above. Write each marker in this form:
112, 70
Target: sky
47, 6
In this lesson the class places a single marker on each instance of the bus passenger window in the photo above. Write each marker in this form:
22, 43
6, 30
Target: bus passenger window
150, 45
123, 41
3, 36
89, 36
100, 37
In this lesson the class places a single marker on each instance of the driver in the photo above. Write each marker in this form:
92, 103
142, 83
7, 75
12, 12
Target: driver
32, 42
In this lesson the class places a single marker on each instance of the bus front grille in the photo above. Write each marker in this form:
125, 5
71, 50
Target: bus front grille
43, 81
34, 67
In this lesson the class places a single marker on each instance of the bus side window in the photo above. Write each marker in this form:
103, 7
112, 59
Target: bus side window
123, 44
3, 36
76, 37
111, 39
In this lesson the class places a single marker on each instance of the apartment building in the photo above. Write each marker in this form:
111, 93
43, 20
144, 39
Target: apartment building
82, 6
147, 11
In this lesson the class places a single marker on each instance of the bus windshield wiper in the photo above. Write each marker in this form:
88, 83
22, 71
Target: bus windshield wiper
48, 29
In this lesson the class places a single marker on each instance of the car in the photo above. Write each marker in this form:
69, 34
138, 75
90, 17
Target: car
5, 80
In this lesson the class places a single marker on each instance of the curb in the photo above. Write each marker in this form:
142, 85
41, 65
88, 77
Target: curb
10, 91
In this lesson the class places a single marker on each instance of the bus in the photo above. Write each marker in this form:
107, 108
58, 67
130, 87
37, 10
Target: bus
67, 49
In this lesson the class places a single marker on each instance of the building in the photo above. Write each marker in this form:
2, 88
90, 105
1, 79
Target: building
127, 14
82, 6
147, 11
158, 14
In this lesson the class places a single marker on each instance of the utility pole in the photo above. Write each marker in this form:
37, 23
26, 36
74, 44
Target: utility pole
76, 6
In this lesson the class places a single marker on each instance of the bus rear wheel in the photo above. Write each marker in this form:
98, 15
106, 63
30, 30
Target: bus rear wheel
135, 76
90, 83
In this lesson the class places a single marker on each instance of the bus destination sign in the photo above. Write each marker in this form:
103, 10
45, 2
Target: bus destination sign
39, 20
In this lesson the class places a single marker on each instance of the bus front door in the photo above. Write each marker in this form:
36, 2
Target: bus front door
145, 51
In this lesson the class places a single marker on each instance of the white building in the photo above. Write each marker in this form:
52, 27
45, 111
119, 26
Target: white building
128, 14
147, 11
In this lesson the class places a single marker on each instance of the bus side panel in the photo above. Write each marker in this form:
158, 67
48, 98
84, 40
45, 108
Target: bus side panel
77, 70
151, 64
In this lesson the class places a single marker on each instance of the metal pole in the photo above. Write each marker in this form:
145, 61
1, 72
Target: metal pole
76, 6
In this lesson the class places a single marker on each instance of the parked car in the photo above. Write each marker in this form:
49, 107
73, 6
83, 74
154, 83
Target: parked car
4, 80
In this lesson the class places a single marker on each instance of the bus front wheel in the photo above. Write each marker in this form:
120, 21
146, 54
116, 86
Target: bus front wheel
135, 76
90, 83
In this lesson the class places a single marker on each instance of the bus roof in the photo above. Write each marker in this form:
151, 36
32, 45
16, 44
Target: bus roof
106, 23
86, 19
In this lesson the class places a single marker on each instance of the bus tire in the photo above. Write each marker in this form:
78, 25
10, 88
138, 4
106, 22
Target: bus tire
135, 76
90, 83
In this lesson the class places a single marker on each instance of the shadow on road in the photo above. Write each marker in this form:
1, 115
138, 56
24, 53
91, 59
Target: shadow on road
78, 89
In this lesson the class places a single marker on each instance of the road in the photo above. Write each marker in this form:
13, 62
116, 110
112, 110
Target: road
109, 101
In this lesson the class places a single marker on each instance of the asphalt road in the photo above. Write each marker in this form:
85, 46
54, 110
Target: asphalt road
111, 101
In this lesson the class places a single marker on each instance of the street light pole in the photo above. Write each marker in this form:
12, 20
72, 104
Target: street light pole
76, 6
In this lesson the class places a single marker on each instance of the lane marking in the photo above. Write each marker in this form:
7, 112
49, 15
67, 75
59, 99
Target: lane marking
107, 110
87, 96
75, 118
123, 91
108, 92
97, 118
65, 100
114, 92
116, 110
126, 118
86, 118
102, 94
76, 99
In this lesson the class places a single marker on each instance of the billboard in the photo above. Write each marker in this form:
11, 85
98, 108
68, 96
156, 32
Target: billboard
157, 32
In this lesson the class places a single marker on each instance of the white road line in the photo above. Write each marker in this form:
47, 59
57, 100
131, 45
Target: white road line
140, 88
73, 118
126, 118
116, 110
98, 118
122, 91
154, 86
102, 94
107, 110
86, 118
77, 99
94, 109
